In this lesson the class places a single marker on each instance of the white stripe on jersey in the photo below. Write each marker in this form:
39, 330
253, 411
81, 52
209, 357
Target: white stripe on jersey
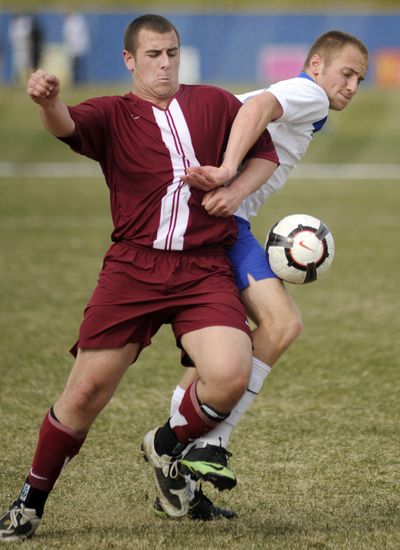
174, 214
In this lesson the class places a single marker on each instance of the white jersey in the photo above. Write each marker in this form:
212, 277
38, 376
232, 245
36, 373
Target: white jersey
305, 109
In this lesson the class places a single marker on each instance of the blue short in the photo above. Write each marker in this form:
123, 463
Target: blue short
248, 257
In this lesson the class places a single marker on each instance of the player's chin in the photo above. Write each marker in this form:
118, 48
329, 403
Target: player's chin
165, 89
339, 104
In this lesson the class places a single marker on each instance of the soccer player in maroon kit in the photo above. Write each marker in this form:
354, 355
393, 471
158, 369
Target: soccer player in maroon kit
167, 263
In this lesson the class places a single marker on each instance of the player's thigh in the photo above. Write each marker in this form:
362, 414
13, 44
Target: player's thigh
268, 301
219, 351
93, 380
101, 369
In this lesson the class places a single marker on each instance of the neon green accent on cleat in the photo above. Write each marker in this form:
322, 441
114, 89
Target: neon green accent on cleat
207, 468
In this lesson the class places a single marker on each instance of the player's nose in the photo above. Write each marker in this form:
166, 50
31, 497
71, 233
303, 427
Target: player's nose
352, 84
165, 60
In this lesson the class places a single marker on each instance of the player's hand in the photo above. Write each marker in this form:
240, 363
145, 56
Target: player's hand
43, 87
221, 202
207, 178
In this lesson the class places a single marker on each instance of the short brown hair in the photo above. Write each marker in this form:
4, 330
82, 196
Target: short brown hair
333, 41
156, 23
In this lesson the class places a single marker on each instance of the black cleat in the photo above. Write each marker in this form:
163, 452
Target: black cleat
18, 523
200, 508
209, 463
172, 490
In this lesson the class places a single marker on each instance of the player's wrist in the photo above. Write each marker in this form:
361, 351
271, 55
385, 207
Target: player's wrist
229, 170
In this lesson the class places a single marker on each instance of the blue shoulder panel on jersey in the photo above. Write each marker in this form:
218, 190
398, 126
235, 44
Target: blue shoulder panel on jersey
305, 75
317, 125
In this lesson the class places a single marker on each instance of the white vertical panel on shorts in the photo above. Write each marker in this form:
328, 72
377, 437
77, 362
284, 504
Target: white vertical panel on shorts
174, 213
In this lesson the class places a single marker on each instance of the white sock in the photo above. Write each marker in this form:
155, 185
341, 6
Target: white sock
176, 400
221, 434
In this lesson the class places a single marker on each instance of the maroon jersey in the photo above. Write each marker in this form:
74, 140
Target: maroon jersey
144, 151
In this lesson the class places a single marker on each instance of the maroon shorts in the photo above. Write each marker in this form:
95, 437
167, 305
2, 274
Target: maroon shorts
140, 289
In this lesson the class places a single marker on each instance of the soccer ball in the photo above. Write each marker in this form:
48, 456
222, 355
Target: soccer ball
300, 248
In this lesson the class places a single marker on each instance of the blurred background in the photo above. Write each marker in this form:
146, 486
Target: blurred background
223, 41
235, 44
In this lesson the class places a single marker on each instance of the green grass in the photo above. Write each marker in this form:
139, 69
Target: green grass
317, 455
366, 131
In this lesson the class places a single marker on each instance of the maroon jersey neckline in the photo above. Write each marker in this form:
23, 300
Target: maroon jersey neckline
135, 97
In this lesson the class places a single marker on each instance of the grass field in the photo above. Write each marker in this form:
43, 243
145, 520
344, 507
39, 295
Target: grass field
317, 457
366, 131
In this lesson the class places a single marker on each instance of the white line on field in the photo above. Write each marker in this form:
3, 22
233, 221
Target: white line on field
307, 171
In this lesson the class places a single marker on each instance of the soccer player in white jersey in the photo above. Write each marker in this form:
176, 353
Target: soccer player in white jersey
167, 263
294, 110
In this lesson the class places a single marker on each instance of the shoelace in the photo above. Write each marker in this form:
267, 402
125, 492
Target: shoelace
174, 470
14, 513
170, 468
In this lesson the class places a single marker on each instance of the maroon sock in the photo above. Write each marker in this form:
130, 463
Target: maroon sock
57, 444
193, 419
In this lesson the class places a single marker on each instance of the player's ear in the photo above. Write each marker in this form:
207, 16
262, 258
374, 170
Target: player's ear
316, 64
129, 60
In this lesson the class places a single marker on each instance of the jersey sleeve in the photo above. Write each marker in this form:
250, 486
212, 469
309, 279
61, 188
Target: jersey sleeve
90, 137
244, 97
301, 99
264, 148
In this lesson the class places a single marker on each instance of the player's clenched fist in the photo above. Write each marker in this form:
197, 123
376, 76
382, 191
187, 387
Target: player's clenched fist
43, 87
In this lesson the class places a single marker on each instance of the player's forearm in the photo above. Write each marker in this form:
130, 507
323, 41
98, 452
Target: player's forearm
44, 89
251, 120
247, 127
56, 118
255, 173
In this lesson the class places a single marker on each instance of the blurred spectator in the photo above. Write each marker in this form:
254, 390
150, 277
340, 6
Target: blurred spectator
20, 41
26, 41
1, 57
36, 45
77, 44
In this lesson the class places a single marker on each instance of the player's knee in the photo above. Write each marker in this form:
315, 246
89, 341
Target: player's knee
85, 400
225, 397
287, 331
225, 386
235, 383
293, 329
282, 331
238, 385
